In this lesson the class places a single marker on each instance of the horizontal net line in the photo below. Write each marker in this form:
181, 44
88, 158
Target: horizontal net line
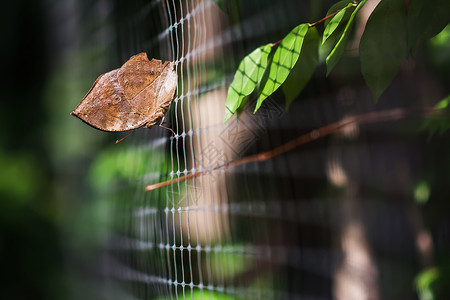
319, 261
145, 10
254, 208
126, 243
123, 272
267, 251
244, 30
203, 89
162, 35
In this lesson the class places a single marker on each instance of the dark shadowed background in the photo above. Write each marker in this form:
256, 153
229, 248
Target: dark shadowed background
362, 211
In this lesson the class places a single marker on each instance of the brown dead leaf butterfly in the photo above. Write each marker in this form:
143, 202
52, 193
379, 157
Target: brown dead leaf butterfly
138, 94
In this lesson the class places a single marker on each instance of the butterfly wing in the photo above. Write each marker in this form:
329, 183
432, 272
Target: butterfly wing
104, 107
122, 99
165, 87
137, 74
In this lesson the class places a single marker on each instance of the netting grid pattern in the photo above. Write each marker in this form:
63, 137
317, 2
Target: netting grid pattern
181, 243
278, 229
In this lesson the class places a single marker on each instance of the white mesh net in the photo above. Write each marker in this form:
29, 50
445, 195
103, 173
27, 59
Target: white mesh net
303, 225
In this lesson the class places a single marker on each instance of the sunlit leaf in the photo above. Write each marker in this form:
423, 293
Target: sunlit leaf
426, 18
333, 24
337, 52
337, 6
328, 44
246, 79
284, 59
304, 68
383, 46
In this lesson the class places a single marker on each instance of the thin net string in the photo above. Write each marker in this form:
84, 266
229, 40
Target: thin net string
246, 235
175, 248
178, 236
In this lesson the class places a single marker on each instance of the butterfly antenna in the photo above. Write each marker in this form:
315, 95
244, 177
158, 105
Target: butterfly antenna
161, 125
119, 140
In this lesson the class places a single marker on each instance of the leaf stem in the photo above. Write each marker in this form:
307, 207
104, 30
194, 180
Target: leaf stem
276, 43
332, 15
355, 3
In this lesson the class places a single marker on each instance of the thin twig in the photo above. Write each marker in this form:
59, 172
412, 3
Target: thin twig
323, 19
332, 15
372, 117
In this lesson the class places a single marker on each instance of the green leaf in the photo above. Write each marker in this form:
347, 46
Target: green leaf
284, 59
333, 24
246, 79
328, 44
383, 46
337, 6
426, 18
440, 124
336, 54
304, 68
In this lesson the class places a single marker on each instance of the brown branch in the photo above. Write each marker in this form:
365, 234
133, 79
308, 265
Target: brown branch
332, 15
372, 117
323, 19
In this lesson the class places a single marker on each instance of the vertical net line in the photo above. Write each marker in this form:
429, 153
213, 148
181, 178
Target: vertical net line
196, 70
191, 283
180, 58
191, 48
172, 194
175, 205
221, 193
199, 27
195, 132
203, 70
151, 228
184, 136
164, 215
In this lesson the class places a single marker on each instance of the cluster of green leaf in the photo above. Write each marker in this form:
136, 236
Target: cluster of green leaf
393, 30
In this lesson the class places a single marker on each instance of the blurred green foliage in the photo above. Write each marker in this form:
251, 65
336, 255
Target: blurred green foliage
231, 261
208, 295
422, 192
432, 283
124, 163
21, 177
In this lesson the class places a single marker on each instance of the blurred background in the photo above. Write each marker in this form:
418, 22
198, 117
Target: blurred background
361, 214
